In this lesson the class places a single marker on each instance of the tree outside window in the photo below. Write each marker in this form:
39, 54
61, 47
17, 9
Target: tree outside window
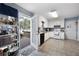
25, 24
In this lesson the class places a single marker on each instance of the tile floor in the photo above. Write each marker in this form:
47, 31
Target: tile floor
26, 51
24, 42
60, 47
53, 47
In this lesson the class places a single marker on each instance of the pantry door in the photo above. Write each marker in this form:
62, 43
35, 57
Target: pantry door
71, 29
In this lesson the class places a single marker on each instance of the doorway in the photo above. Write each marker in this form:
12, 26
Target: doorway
71, 28
24, 31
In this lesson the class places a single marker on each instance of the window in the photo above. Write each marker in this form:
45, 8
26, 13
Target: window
24, 23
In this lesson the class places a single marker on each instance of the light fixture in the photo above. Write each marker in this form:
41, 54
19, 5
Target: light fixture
53, 14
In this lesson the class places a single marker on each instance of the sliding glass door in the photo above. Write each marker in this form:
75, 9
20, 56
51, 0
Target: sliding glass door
24, 23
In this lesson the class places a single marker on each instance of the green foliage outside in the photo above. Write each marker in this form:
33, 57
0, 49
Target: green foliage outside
25, 24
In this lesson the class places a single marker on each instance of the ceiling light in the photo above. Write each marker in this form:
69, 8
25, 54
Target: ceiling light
53, 14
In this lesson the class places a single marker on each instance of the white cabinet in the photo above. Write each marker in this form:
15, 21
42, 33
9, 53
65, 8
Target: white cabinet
58, 35
48, 35
55, 35
62, 35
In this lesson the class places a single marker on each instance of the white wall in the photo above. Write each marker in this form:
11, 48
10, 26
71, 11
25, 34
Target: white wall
78, 30
34, 32
58, 21
35, 36
41, 18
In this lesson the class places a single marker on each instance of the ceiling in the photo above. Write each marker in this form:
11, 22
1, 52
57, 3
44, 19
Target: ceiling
63, 9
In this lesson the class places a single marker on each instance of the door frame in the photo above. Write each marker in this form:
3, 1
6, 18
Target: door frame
36, 18
21, 17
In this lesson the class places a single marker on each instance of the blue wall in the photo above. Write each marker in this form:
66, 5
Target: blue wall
9, 11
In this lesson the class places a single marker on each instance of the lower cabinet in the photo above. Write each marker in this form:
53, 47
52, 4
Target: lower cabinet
54, 35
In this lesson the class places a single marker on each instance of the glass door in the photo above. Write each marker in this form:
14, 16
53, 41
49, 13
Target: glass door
24, 23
